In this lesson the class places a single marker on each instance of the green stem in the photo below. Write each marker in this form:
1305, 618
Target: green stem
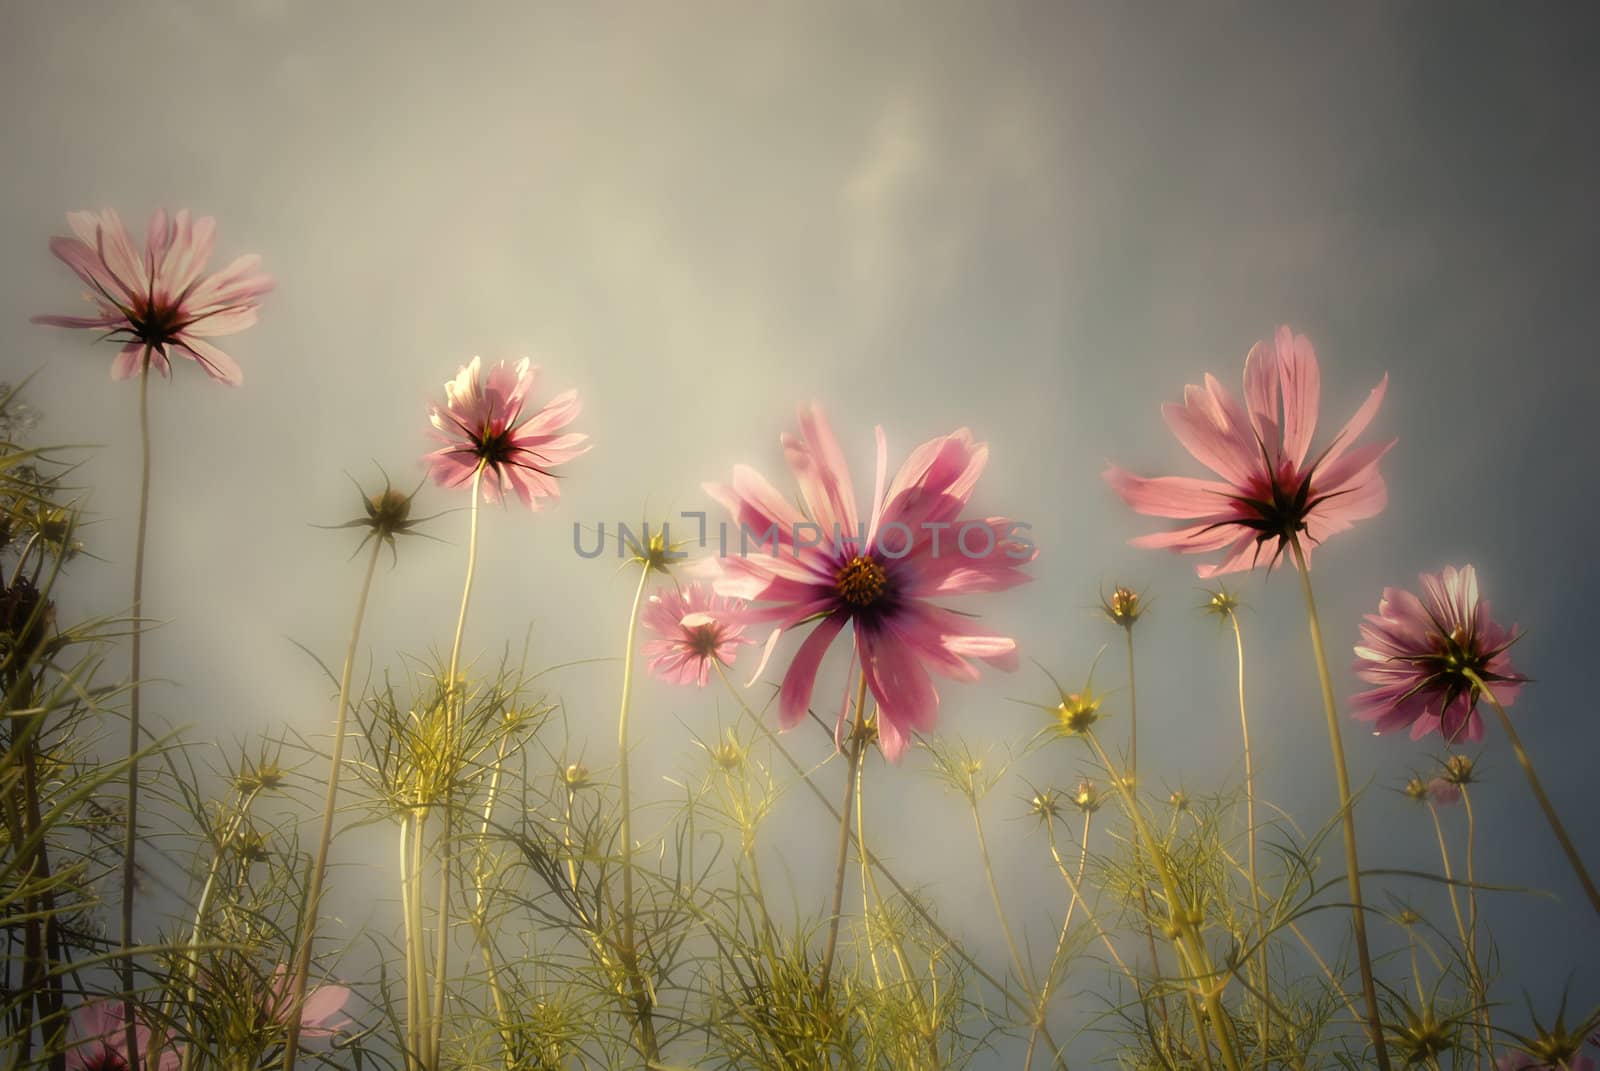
480, 909
1534, 783
1341, 774
455, 699
1455, 909
319, 868
1250, 821
644, 1025
1472, 921
1186, 938
858, 739
130, 837
899, 887
207, 891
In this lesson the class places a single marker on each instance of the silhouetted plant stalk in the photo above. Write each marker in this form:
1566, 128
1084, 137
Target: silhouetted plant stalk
1187, 941
1484, 1015
319, 868
130, 839
628, 952
857, 742
1132, 775
1534, 783
1341, 772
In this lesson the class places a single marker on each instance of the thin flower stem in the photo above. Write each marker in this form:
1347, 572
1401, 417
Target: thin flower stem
1186, 938
480, 911
1341, 772
1538, 791
455, 700
1133, 779
1265, 1026
1472, 919
130, 838
319, 869
1455, 909
858, 740
870, 895
899, 887
644, 1026
1046, 990
1028, 986
412, 970
1075, 886
203, 908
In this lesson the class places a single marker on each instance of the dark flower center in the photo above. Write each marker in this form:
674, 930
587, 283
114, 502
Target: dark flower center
702, 641
495, 448
157, 323
861, 582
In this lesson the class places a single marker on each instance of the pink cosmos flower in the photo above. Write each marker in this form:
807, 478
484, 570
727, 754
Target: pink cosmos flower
482, 424
102, 1043
160, 302
822, 565
695, 627
1416, 651
1269, 491
320, 1014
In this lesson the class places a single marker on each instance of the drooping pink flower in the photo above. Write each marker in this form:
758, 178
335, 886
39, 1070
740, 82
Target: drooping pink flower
320, 1014
822, 565
1417, 651
102, 1040
160, 302
1269, 491
482, 425
694, 628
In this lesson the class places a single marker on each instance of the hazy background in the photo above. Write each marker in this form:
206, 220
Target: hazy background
1037, 221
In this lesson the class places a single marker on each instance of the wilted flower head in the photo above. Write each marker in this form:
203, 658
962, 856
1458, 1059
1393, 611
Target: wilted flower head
1086, 797
1416, 790
160, 302
1179, 799
694, 628
482, 426
386, 515
102, 1040
824, 564
1422, 653
575, 776
1270, 490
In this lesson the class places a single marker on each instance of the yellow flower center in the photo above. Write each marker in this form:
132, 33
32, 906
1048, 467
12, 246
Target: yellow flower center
861, 582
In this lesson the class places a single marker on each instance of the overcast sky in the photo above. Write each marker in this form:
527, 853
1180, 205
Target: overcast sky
1037, 221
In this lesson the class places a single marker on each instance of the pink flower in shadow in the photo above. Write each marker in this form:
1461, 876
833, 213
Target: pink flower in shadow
160, 302
102, 1040
1271, 488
